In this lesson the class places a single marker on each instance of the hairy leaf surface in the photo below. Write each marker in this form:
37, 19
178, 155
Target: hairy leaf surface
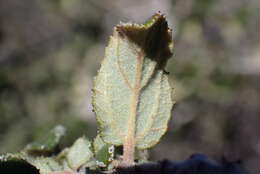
80, 153
131, 95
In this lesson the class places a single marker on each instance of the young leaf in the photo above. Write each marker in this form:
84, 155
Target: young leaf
45, 164
131, 95
80, 153
32, 157
48, 144
102, 150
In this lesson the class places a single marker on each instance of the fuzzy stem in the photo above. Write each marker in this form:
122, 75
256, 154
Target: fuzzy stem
128, 153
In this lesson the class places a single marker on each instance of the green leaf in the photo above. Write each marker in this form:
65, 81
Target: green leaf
45, 164
80, 153
48, 144
103, 152
131, 95
33, 156
69, 160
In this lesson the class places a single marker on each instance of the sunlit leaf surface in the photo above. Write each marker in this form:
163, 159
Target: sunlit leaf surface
132, 95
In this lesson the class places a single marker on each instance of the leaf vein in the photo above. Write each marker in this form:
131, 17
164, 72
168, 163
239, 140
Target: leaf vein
120, 68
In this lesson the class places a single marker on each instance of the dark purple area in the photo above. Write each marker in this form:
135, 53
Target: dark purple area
196, 164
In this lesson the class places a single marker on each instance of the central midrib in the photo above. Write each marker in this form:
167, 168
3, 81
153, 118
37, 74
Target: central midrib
129, 142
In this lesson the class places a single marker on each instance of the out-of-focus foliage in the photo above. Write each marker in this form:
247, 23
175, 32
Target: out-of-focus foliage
50, 51
46, 157
48, 144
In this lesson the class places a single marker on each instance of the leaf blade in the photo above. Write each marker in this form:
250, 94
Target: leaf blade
131, 86
79, 154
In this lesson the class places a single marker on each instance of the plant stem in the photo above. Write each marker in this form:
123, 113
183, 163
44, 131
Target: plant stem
128, 153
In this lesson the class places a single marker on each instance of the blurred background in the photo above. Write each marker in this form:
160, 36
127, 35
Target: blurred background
50, 51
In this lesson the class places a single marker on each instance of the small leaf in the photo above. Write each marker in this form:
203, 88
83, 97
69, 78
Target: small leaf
48, 144
45, 164
80, 153
131, 94
102, 150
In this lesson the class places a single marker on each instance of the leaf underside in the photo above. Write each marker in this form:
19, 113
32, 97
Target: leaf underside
131, 95
79, 153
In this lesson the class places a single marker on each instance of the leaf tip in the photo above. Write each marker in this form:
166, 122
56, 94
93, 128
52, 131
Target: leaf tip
154, 37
